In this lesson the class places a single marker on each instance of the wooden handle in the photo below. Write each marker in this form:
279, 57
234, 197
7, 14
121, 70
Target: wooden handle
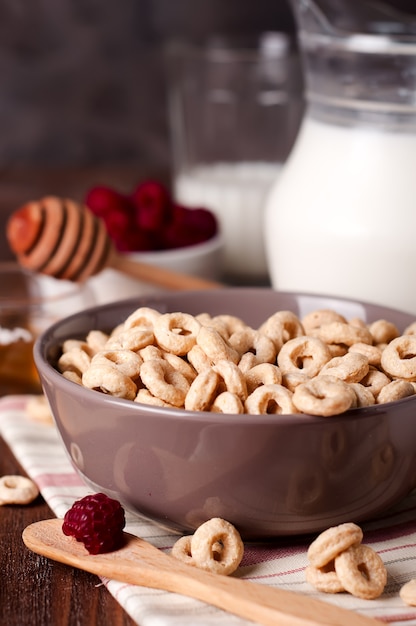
159, 276
140, 563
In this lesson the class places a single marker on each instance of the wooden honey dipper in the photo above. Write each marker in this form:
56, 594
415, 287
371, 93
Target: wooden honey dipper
61, 238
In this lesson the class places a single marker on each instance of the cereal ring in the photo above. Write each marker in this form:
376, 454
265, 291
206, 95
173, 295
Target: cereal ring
374, 381
181, 550
104, 377
180, 365
151, 352
324, 395
232, 377
249, 340
408, 592
73, 377
216, 546
396, 390
324, 579
270, 400
176, 332
351, 368
215, 347
17, 490
363, 395
230, 323
144, 396
410, 330
228, 403
76, 359
134, 339
373, 353
361, 572
96, 340
203, 390
125, 361
292, 379
198, 359
247, 362
305, 354
383, 331
339, 332
164, 382
262, 374
332, 541
144, 317
398, 359
315, 319
282, 326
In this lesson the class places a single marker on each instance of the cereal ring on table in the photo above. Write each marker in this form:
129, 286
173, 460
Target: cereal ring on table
305, 354
332, 541
408, 592
373, 353
254, 342
270, 400
17, 490
292, 379
398, 358
232, 377
262, 374
324, 396
351, 368
383, 331
375, 380
395, 390
164, 382
144, 396
315, 319
103, 375
134, 339
96, 340
228, 403
181, 550
216, 546
215, 346
176, 332
364, 397
203, 390
361, 572
38, 409
324, 579
144, 317
347, 334
75, 360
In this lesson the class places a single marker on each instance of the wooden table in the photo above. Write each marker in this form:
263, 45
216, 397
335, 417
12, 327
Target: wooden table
33, 590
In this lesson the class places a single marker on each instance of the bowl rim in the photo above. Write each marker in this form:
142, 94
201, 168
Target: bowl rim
45, 340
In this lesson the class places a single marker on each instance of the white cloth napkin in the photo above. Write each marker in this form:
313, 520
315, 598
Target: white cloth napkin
39, 450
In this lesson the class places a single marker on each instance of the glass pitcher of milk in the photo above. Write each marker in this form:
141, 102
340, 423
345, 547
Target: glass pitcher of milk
341, 218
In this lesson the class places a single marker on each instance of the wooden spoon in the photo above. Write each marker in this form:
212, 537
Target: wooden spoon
61, 238
140, 563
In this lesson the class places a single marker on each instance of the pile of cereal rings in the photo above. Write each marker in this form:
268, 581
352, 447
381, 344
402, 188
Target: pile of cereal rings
322, 364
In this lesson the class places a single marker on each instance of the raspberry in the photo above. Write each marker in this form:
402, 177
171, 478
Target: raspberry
153, 205
189, 227
97, 521
104, 200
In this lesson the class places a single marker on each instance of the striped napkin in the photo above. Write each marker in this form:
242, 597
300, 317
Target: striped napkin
281, 564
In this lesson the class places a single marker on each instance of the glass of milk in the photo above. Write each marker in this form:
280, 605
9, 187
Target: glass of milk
234, 114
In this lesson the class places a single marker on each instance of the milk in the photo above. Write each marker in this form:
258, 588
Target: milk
341, 219
236, 193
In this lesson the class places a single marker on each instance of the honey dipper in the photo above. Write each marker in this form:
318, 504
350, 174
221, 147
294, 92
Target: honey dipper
61, 238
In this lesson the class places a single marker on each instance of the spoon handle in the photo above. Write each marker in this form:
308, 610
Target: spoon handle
140, 563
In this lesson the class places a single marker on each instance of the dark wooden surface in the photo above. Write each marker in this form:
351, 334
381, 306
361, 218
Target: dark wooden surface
35, 591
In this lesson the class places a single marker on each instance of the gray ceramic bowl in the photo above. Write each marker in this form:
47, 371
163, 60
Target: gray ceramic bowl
270, 475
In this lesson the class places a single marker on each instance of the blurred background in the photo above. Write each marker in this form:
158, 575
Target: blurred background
83, 86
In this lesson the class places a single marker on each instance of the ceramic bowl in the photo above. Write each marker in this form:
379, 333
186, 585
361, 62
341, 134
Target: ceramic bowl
270, 475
